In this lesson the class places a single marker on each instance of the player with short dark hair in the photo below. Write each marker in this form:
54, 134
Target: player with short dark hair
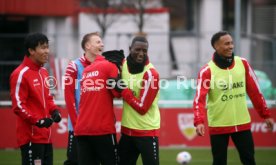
33, 103
141, 116
226, 79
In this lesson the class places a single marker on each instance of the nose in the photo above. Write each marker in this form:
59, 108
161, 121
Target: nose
141, 53
232, 46
47, 50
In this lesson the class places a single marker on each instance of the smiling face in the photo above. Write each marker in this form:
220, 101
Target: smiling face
40, 54
138, 51
224, 46
94, 45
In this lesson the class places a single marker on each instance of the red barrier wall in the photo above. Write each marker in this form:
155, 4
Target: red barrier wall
176, 129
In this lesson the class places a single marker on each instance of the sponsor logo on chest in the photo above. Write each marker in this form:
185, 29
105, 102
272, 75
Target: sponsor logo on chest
36, 82
91, 74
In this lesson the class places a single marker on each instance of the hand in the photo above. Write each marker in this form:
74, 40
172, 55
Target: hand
269, 123
200, 130
45, 122
56, 116
116, 83
115, 56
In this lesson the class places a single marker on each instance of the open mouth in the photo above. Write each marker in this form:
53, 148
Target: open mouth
100, 49
140, 59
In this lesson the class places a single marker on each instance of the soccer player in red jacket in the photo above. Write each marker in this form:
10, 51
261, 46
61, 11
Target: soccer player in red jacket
33, 103
138, 86
95, 127
226, 79
92, 45
140, 124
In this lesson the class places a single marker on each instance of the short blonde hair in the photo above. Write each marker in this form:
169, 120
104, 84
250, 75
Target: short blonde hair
86, 38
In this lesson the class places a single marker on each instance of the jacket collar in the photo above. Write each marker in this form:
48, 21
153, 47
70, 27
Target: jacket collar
85, 60
134, 67
99, 58
223, 62
32, 65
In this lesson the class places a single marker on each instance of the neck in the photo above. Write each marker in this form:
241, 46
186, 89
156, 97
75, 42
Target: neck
34, 61
223, 62
90, 57
135, 67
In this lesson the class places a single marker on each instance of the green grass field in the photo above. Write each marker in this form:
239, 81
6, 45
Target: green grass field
167, 156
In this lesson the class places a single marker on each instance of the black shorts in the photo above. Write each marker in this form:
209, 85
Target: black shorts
243, 141
130, 147
35, 152
93, 150
72, 154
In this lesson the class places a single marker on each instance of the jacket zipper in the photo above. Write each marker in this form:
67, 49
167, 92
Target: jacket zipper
230, 75
42, 86
44, 103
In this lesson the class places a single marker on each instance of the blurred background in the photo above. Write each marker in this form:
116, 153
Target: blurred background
179, 33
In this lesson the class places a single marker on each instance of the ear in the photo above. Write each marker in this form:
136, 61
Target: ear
87, 45
216, 45
31, 51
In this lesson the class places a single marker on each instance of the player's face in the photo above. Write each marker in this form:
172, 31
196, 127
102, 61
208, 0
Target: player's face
95, 45
40, 54
138, 51
224, 46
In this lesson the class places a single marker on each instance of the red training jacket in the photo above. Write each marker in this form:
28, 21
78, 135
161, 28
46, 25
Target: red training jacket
96, 115
31, 101
252, 89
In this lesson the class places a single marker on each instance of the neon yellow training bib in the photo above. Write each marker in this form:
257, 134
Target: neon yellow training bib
131, 118
227, 96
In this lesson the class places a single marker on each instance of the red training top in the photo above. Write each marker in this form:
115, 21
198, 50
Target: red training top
96, 115
31, 101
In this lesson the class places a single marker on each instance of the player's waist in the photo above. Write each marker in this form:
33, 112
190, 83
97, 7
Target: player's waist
136, 132
229, 129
